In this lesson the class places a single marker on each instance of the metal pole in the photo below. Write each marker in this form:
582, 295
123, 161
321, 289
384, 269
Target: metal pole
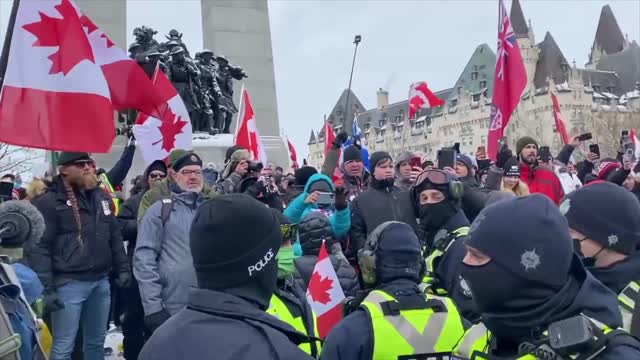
356, 41
235, 135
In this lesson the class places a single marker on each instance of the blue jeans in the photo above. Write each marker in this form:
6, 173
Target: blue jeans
87, 303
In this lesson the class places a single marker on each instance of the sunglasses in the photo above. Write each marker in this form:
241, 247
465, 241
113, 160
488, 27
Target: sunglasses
83, 164
434, 176
288, 230
157, 176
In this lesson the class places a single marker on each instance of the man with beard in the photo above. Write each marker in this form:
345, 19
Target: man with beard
133, 329
81, 246
525, 280
539, 179
161, 262
607, 238
354, 176
436, 198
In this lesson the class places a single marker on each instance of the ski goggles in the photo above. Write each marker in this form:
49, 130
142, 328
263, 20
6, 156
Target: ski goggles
435, 177
288, 230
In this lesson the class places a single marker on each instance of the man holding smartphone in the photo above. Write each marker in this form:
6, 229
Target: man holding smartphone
408, 167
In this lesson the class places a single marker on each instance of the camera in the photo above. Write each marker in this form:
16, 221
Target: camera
255, 167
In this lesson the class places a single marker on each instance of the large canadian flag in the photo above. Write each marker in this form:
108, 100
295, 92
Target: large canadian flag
247, 135
63, 80
559, 120
158, 137
420, 96
293, 154
324, 294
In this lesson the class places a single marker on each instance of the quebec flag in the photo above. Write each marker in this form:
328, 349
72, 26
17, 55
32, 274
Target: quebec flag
356, 134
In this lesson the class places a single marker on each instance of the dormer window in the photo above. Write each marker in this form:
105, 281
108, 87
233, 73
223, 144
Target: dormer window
483, 84
459, 90
474, 75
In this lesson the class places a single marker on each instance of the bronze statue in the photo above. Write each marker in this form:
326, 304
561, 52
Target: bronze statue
185, 76
144, 37
225, 76
176, 36
211, 92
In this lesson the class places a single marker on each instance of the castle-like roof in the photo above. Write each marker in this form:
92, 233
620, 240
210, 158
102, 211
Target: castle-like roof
518, 23
626, 64
608, 37
312, 138
551, 63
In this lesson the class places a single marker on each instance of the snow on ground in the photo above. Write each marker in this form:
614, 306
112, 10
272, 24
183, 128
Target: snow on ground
205, 140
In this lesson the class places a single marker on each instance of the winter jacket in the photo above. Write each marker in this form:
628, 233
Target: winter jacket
448, 267
377, 205
231, 179
128, 219
242, 332
542, 181
312, 230
298, 210
354, 185
591, 299
473, 198
161, 190
403, 183
119, 171
569, 181
162, 261
292, 192
59, 256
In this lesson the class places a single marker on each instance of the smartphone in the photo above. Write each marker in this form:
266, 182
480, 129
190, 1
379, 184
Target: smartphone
415, 162
585, 137
502, 143
456, 147
326, 198
446, 158
6, 190
544, 153
594, 148
625, 133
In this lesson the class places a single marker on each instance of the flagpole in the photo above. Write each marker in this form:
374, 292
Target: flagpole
235, 134
4, 57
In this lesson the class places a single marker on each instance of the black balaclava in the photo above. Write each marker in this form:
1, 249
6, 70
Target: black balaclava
434, 216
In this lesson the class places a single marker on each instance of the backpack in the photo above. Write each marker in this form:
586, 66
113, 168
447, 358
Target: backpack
165, 211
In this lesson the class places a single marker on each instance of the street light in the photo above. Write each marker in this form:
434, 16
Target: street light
356, 41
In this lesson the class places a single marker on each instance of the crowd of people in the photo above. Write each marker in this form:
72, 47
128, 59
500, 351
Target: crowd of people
522, 257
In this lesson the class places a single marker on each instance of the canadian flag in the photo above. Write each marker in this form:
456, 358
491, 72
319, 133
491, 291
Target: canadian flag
636, 142
324, 294
293, 154
420, 96
158, 137
329, 137
559, 120
64, 78
247, 135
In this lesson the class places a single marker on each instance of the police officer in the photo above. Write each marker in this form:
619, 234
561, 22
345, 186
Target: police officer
524, 278
607, 237
436, 197
289, 302
395, 319
236, 269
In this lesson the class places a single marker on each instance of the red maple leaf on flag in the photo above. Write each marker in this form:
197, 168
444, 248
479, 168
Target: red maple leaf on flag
172, 125
67, 34
319, 288
91, 27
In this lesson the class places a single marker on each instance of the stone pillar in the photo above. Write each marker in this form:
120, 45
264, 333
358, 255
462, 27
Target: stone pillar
240, 30
110, 16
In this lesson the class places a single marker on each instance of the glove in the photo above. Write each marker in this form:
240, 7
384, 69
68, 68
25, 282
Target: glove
124, 280
153, 321
52, 302
341, 138
504, 155
341, 198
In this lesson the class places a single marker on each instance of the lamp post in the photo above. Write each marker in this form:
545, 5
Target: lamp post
356, 41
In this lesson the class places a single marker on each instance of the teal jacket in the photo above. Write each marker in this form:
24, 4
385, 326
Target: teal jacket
297, 209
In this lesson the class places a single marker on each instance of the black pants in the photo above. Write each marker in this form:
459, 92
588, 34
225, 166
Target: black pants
133, 329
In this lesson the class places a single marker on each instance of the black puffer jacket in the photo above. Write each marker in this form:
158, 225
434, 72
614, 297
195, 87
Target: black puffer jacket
59, 256
314, 228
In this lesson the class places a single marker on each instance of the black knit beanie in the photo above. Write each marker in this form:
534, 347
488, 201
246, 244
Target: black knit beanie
376, 158
229, 255
351, 153
606, 213
535, 246
523, 142
157, 165
512, 167
303, 174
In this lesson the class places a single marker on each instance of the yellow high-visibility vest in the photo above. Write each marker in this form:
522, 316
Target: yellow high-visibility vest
434, 329
279, 309
429, 280
105, 185
627, 302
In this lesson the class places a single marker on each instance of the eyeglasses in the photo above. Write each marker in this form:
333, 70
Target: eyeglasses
288, 230
190, 172
434, 176
83, 164
157, 176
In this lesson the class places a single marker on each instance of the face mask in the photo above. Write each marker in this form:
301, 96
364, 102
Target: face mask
433, 216
285, 262
588, 262
490, 295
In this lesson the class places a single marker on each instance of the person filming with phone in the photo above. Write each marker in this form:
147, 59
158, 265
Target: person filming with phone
408, 167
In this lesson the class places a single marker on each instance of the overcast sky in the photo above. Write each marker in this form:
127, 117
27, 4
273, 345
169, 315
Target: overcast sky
402, 42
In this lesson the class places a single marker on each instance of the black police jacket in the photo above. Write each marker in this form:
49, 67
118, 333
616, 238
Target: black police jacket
59, 256
221, 326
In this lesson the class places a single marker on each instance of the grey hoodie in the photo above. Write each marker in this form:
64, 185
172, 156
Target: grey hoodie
162, 262
403, 183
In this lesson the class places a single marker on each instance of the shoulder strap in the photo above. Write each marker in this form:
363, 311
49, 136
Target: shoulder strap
165, 212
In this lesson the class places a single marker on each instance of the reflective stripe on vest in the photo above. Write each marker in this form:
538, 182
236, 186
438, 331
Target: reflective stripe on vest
476, 340
430, 261
105, 185
627, 302
412, 332
278, 309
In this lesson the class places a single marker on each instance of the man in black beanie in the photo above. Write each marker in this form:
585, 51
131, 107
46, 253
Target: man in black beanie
301, 177
383, 201
354, 177
607, 238
236, 269
525, 277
